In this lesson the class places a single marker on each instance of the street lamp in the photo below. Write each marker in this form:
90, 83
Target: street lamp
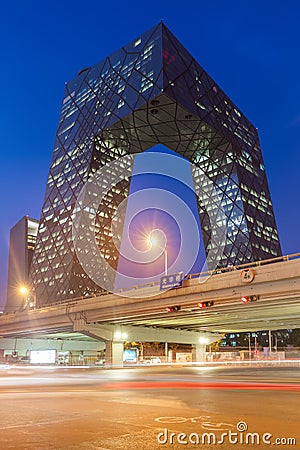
153, 241
24, 290
203, 340
29, 298
119, 335
166, 260
250, 350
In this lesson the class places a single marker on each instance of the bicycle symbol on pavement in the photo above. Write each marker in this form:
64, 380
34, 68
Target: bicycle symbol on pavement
205, 422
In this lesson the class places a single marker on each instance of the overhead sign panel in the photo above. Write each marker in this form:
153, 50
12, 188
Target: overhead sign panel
171, 281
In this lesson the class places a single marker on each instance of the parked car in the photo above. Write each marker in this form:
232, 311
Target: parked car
151, 360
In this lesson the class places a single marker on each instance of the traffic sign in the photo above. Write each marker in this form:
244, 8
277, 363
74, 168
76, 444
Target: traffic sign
171, 281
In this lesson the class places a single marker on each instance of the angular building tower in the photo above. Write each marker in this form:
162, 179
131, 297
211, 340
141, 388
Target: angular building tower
21, 249
151, 91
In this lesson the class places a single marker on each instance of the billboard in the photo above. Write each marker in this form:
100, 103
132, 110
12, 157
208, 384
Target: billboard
42, 356
130, 355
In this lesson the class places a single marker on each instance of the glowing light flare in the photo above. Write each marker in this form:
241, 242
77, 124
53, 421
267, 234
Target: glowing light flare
119, 335
23, 290
151, 240
151, 243
147, 235
157, 239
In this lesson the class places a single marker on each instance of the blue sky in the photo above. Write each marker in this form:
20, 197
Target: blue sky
161, 201
251, 49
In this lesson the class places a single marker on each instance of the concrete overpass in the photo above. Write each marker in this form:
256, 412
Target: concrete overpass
272, 288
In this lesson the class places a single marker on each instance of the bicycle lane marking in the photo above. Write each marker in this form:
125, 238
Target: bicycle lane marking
205, 422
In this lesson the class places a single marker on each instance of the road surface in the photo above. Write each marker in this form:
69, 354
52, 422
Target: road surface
45, 408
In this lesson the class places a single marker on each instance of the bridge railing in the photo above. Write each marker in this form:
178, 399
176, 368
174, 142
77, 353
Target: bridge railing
219, 270
247, 265
190, 276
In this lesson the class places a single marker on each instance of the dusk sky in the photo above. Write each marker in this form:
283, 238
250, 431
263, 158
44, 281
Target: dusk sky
250, 48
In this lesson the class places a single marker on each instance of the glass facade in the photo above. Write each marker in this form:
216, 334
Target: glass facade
152, 91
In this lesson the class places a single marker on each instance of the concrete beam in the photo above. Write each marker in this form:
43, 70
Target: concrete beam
22, 346
147, 334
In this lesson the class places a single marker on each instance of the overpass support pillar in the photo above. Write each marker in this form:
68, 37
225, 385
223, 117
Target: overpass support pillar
114, 353
198, 352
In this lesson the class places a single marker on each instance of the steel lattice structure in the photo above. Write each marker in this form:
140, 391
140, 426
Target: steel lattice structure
150, 91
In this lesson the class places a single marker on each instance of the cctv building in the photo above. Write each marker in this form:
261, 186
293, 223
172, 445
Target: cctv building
150, 92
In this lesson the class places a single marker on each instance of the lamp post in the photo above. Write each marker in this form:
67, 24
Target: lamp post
152, 241
249, 340
24, 291
29, 298
166, 260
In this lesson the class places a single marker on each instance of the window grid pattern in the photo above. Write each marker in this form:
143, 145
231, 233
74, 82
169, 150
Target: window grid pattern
151, 91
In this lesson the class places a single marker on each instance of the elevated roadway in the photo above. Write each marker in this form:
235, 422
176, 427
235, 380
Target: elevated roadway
272, 285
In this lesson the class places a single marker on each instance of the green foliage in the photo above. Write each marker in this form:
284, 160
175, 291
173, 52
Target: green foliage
215, 346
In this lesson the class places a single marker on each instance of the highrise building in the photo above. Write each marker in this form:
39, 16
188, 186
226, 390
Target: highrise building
150, 92
21, 249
